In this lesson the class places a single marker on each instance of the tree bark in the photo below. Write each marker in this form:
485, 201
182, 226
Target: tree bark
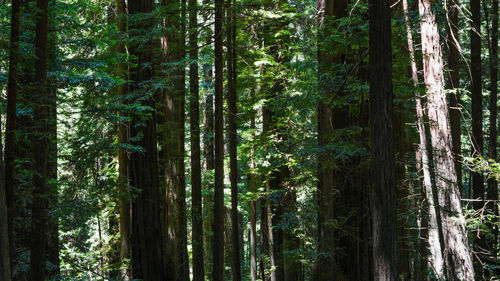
232, 135
458, 258
218, 227
40, 191
435, 259
383, 193
148, 256
194, 118
454, 85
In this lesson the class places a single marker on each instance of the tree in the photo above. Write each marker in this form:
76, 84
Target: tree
123, 187
435, 258
232, 135
458, 259
383, 193
194, 119
218, 226
476, 101
5, 272
148, 256
40, 191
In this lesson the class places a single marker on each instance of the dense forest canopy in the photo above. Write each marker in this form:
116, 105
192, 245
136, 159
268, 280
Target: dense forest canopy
266, 140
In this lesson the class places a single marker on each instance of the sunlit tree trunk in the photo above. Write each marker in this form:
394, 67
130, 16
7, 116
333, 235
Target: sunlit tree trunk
458, 257
435, 258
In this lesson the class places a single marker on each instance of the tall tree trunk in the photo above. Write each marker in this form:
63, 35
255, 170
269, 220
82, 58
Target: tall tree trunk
232, 135
148, 256
218, 227
39, 205
173, 138
454, 85
492, 142
252, 186
458, 258
194, 118
476, 101
325, 268
5, 270
123, 187
383, 193
10, 131
435, 259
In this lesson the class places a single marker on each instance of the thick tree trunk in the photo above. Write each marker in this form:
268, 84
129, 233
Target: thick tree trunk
40, 190
435, 258
123, 185
148, 256
173, 138
476, 101
218, 226
10, 131
383, 193
454, 85
194, 119
458, 258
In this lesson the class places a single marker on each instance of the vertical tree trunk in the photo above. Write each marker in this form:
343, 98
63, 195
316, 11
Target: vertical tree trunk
194, 118
10, 131
458, 259
123, 187
218, 228
148, 256
476, 100
325, 268
383, 193
173, 139
232, 138
252, 186
435, 258
5, 270
492, 142
39, 205
454, 85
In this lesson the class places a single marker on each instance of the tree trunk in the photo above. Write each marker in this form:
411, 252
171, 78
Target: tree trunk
194, 118
148, 256
5, 269
123, 185
232, 135
458, 258
218, 227
476, 101
435, 259
40, 191
10, 131
252, 187
383, 193
454, 85
492, 142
